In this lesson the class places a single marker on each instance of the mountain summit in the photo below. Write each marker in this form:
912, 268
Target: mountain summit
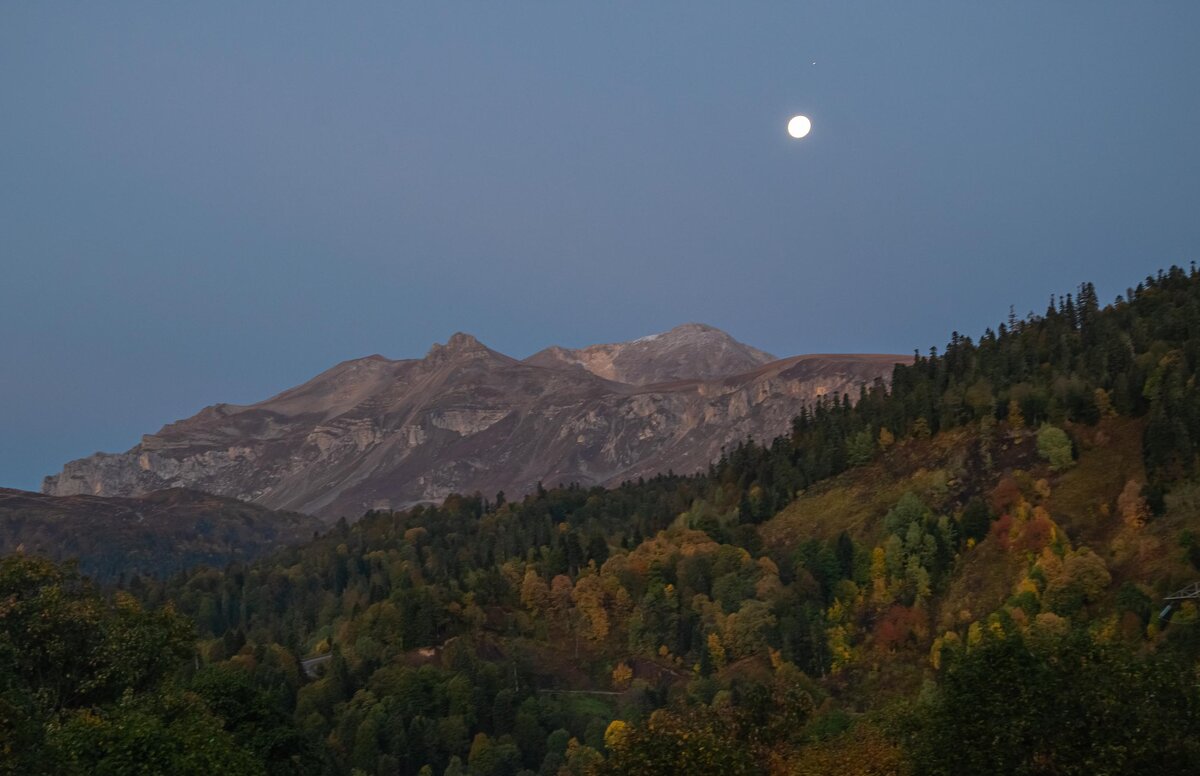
376, 433
461, 346
692, 351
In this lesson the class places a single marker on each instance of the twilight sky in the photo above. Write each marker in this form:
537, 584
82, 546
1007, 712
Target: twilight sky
204, 202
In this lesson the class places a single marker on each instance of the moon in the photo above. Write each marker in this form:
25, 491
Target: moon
799, 126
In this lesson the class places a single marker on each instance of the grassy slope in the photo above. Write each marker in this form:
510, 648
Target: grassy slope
857, 500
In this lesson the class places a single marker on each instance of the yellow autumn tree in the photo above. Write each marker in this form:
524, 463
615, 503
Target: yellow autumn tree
589, 600
716, 651
535, 593
837, 638
616, 733
880, 595
920, 429
1016, 420
838, 642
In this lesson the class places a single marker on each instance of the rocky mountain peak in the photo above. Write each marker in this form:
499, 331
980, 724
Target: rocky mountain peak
460, 346
691, 351
684, 328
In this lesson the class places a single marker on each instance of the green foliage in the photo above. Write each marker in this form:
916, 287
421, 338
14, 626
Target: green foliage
171, 733
65, 646
1130, 598
257, 720
1070, 706
84, 683
976, 520
919, 549
1054, 445
861, 448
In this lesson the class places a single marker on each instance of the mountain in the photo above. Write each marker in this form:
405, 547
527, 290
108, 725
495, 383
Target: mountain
157, 534
692, 351
374, 433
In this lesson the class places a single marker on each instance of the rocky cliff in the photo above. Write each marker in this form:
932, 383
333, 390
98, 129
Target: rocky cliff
377, 433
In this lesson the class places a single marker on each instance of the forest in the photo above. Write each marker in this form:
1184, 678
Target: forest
962, 571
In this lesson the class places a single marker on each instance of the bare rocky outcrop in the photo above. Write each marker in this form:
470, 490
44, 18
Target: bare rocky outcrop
377, 433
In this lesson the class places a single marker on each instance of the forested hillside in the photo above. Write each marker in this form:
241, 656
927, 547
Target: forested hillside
960, 573
158, 534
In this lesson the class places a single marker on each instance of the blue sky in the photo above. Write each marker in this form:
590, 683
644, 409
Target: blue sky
212, 202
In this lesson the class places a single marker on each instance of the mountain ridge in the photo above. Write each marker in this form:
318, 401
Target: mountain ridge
379, 433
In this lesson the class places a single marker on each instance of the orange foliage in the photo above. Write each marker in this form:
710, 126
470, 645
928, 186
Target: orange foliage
1024, 532
1035, 534
899, 626
1001, 531
1006, 493
1132, 506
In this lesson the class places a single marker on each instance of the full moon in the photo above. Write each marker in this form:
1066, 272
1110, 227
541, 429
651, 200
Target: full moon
799, 126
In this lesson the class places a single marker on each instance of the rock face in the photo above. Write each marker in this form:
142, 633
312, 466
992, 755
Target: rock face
375, 433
